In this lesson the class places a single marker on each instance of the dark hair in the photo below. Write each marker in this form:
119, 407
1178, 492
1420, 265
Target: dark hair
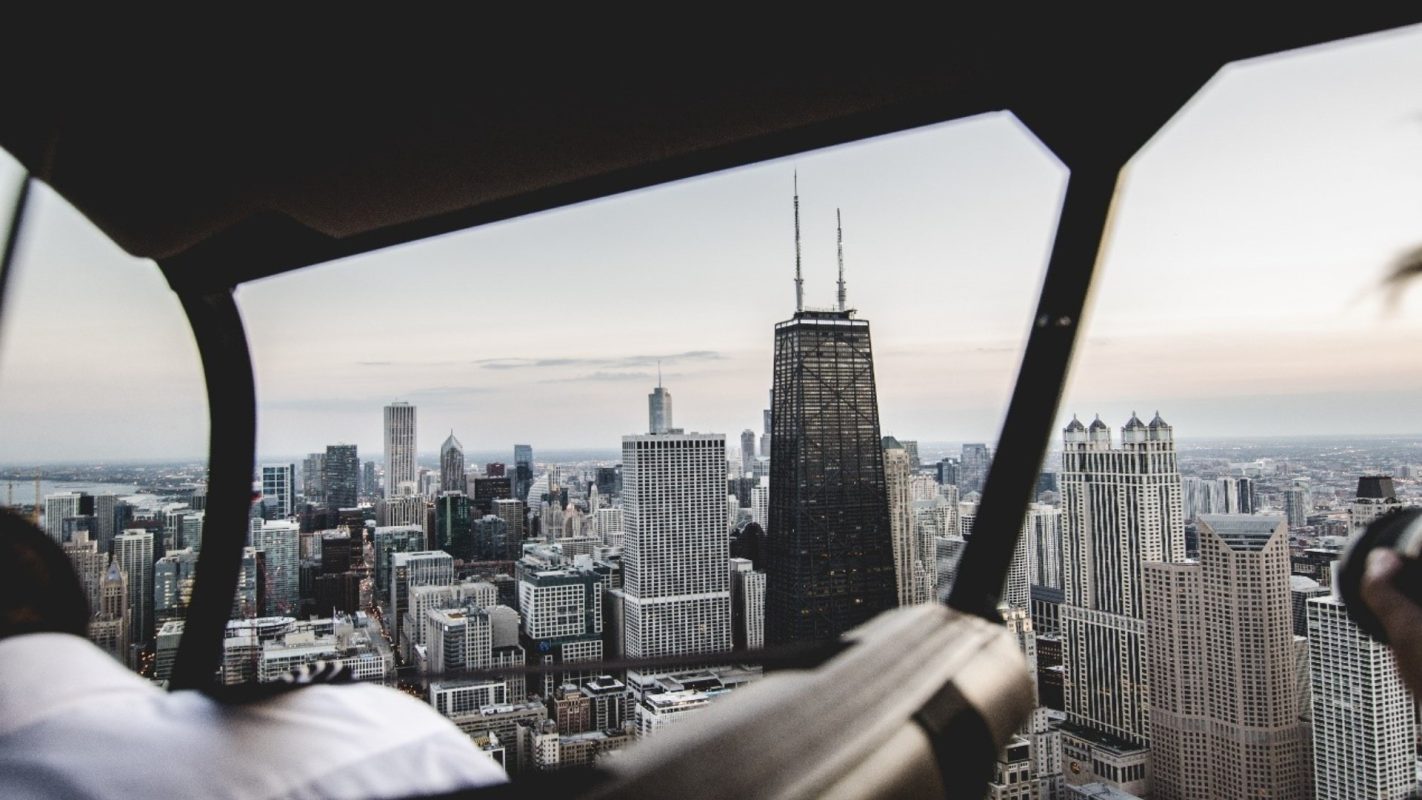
1404, 268
39, 590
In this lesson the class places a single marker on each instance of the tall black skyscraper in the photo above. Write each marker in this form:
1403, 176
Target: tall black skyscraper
454, 525
828, 551
523, 470
341, 475
608, 481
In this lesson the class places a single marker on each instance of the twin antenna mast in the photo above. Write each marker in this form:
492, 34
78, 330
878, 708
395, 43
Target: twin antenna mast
839, 241
799, 281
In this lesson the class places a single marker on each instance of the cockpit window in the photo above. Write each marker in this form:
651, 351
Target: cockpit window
645, 441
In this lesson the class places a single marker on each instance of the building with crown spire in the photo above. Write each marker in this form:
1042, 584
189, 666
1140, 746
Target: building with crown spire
451, 465
1121, 508
109, 625
675, 546
829, 549
659, 408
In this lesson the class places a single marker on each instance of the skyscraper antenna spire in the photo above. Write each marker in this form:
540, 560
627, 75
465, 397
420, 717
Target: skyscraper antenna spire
799, 282
839, 239
659, 373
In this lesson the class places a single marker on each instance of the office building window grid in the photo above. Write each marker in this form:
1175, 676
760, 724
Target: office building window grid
676, 544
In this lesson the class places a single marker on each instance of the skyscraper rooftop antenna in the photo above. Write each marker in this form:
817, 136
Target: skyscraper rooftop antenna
799, 281
659, 373
839, 240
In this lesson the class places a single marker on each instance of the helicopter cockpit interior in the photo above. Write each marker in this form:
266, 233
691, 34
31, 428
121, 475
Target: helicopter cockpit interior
231, 174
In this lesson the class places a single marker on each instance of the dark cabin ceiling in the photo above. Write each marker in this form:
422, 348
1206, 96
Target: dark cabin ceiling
226, 168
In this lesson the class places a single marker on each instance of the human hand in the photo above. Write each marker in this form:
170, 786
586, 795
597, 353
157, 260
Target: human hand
1399, 615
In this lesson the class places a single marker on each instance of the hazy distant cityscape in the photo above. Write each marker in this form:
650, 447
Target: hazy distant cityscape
416, 571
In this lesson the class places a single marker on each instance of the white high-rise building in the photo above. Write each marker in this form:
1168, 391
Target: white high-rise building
747, 605
912, 563
280, 540
609, 525
675, 545
1044, 531
1121, 508
133, 551
1017, 588
1224, 685
56, 508
278, 489
399, 447
408, 569
457, 638
404, 509
760, 503
1363, 727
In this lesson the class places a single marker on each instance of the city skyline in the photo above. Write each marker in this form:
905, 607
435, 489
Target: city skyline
1237, 282
648, 564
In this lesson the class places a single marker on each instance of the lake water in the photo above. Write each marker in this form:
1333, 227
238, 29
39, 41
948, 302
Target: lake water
22, 492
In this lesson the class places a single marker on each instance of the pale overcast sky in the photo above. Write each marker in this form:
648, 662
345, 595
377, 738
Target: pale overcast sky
1238, 295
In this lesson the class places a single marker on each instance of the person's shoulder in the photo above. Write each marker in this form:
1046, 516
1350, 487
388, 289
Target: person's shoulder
392, 710
363, 735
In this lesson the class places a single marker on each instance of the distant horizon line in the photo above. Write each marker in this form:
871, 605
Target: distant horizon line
433, 455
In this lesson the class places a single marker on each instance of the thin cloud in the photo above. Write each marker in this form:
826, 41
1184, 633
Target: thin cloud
524, 363
372, 402
449, 391
621, 362
612, 377
408, 364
